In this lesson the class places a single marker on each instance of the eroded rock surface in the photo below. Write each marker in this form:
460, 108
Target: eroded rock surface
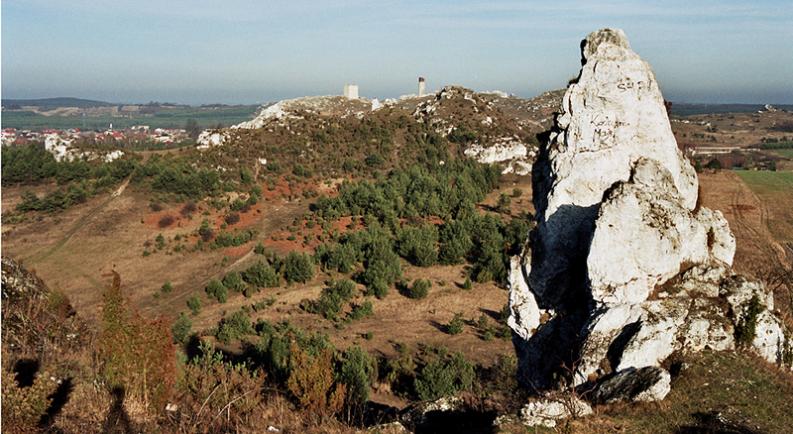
624, 268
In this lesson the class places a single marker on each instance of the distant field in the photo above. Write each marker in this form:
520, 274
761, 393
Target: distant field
775, 190
684, 109
763, 181
166, 118
787, 153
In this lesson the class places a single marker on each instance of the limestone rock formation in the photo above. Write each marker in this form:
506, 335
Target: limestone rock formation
624, 268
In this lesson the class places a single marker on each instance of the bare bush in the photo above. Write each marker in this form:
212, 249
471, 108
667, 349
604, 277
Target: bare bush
165, 221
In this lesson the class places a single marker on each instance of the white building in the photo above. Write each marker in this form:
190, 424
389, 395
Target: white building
351, 91
422, 86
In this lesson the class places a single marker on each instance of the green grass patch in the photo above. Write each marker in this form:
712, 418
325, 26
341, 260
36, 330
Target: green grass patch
786, 153
764, 181
740, 387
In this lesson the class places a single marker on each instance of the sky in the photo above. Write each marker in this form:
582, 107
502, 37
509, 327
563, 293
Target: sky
245, 51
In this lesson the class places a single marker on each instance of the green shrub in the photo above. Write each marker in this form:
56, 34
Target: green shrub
504, 203
418, 244
205, 231
234, 327
234, 282
166, 288
357, 372
259, 249
455, 242
381, 269
338, 257
216, 290
27, 164
419, 289
444, 376
462, 135
467, 283
455, 326
181, 328
298, 267
229, 239
746, 329
487, 256
194, 304
261, 275
332, 299
361, 311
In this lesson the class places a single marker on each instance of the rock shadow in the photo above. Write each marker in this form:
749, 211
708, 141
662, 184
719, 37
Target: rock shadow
454, 422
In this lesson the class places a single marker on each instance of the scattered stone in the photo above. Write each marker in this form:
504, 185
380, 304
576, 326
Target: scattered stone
547, 412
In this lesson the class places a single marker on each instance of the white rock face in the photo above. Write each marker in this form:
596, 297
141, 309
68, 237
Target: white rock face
525, 317
287, 109
60, 148
112, 156
63, 150
275, 111
210, 138
625, 269
504, 150
643, 223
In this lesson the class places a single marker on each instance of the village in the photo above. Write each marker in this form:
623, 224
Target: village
132, 136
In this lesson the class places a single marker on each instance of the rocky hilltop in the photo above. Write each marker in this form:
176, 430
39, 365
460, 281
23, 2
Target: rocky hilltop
624, 268
491, 127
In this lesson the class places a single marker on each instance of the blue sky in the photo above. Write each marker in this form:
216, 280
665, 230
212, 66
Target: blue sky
195, 51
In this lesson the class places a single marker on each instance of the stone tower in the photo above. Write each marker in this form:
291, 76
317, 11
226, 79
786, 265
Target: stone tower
351, 91
422, 86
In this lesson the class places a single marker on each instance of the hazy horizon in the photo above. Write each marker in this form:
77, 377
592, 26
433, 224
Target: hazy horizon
246, 53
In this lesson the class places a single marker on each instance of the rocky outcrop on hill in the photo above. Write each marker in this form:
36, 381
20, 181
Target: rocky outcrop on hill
282, 112
477, 121
624, 268
490, 127
65, 150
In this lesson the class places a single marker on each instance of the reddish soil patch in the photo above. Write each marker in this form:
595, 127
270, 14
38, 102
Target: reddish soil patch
283, 246
153, 219
247, 219
286, 189
237, 251
280, 242
347, 223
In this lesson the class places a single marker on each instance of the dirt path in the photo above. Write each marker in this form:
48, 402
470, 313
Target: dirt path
277, 216
748, 219
81, 222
